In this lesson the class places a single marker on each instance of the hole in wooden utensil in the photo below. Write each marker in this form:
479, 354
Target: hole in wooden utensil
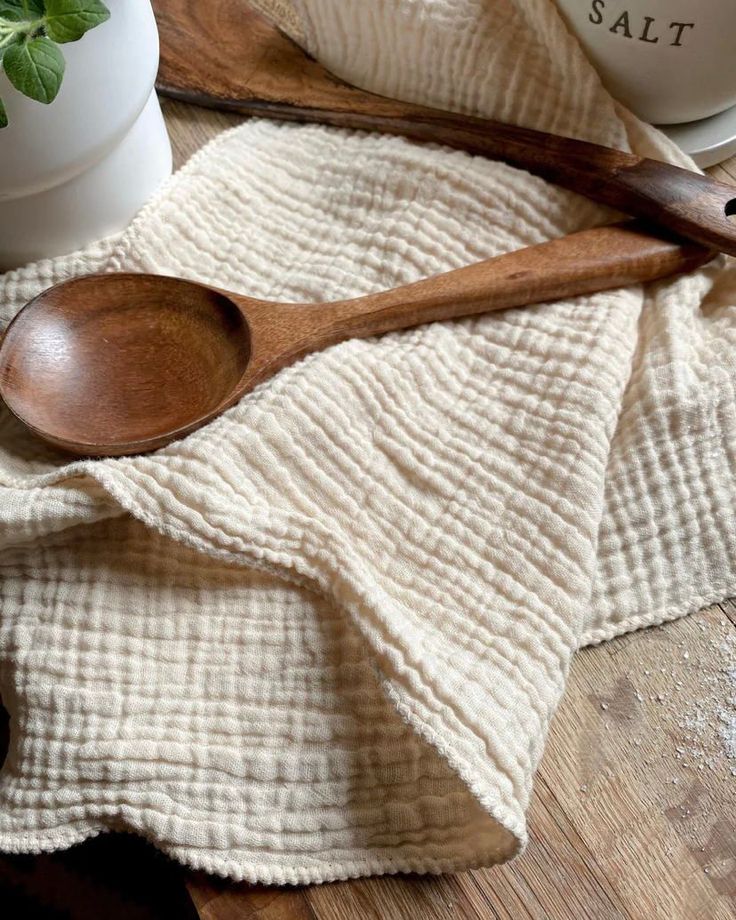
120, 359
730, 209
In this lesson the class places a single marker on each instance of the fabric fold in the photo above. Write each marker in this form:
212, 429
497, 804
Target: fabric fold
325, 635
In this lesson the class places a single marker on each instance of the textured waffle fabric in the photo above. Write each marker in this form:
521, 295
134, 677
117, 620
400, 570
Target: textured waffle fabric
325, 635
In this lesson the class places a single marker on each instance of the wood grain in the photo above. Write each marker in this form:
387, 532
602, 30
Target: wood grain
612, 837
225, 55
153, 358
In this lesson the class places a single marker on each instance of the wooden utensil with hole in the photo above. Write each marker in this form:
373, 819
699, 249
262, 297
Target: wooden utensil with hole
122, 364
224, 54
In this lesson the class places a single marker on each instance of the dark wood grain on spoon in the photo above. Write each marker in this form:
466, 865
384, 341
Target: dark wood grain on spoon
223, 54
122, 363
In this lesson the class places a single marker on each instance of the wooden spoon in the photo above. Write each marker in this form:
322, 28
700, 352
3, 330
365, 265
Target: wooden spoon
225, 55
122, 363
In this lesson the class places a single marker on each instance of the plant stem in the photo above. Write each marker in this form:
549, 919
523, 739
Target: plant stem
9, 29
28, 25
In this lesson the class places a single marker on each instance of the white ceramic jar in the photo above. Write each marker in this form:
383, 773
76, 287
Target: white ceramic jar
78, 169
669, 61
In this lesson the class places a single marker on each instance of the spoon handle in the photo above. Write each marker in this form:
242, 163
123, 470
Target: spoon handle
581, 263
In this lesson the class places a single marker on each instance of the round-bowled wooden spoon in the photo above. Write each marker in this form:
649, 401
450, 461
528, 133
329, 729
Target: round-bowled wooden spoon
123, 363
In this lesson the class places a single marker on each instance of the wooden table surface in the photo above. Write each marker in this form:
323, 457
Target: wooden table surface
633, 813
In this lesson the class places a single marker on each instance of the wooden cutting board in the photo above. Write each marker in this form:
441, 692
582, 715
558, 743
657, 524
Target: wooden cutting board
224, 54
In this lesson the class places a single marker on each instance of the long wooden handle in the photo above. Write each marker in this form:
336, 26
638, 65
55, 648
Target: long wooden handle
225, 55
581, 263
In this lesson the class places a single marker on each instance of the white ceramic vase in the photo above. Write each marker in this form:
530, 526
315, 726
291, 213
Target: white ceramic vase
78, 169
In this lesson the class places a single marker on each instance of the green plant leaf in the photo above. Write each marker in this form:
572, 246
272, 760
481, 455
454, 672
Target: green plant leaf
3, 116
18, 11
16, 39
68, 20
35, 68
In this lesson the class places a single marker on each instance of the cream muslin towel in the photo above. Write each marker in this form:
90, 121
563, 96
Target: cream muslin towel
325, 635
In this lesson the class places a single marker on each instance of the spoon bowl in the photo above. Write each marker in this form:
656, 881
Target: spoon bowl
123, 364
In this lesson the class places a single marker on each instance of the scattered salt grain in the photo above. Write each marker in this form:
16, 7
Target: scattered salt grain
706, 714
727, 731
